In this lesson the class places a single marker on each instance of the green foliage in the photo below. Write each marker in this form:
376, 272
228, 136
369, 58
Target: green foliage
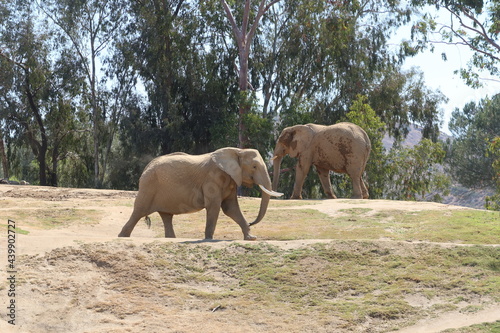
402, 98
192, 91
36, 96
364, 116
493, 202
402, 173
473, 128
163, 78
260, 130
414, 172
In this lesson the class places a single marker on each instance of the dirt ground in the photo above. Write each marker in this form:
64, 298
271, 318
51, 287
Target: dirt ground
76, 277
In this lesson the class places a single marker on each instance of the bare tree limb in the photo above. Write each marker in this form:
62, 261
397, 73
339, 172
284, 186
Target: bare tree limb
481, 31
231, 19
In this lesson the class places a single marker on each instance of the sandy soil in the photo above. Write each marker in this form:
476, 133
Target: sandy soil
61, 290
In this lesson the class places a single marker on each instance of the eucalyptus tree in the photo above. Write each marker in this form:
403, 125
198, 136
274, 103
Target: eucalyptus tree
473, 24
24, 83
244, 35
314, 57
88, 27
187, 74
3, 156
35, 92
402, 98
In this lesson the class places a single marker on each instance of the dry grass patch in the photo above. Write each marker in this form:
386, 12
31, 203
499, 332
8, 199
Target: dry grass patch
54, 217
335, 286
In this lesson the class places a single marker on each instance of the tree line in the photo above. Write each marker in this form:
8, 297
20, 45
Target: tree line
90, 91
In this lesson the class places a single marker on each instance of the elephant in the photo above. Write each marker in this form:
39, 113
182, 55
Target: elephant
342, 148
180, 183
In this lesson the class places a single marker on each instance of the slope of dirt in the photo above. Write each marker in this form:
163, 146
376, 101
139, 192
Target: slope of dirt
82, 278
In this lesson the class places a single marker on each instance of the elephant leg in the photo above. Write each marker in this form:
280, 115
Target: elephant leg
301, 172
130, 225
141, 208
212, 217
324, 177
167, 224
356, 187
231, 208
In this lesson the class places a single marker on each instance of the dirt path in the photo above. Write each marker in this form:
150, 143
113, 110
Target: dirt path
454, 320
332, 207
41, 241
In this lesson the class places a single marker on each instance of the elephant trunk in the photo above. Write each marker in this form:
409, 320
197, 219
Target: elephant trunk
263, 207
265, 184
276, 173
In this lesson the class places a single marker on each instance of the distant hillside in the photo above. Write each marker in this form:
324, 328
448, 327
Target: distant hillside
462, 196
413, 138
459, 196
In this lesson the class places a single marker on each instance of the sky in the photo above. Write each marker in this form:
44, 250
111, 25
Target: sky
439, 75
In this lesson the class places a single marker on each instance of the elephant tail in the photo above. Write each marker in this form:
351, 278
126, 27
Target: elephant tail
147, 219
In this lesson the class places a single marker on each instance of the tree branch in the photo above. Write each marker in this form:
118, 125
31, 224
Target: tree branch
20, 64
246, 17
481, 32
238, 34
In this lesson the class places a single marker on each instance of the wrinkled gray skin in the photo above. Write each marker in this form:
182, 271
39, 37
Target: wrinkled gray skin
180, 183
342, 148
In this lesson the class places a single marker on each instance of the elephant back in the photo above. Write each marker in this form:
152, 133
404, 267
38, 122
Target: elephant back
337, 146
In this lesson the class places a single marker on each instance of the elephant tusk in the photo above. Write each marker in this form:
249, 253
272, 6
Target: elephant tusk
272, 193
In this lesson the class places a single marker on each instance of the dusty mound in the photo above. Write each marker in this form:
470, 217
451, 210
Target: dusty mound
379, 267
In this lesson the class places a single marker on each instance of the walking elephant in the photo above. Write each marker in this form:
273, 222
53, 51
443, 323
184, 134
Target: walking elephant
180, 183
342, 148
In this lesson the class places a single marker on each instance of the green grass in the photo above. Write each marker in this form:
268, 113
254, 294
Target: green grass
283, 223
469, 227
17, 230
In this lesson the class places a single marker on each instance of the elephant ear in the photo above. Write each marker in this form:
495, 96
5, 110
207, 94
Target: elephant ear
227, 159
297, 139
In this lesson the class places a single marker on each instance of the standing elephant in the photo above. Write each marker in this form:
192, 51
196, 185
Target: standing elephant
180, 183
342, 148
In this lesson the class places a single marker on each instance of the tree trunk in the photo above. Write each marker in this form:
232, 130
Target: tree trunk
244, 107
42, 146
244, 37
95, 113
5, 163
55, 161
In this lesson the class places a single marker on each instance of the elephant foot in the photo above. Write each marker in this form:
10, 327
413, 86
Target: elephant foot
296, 197
123, 234
331, 196
250, 237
